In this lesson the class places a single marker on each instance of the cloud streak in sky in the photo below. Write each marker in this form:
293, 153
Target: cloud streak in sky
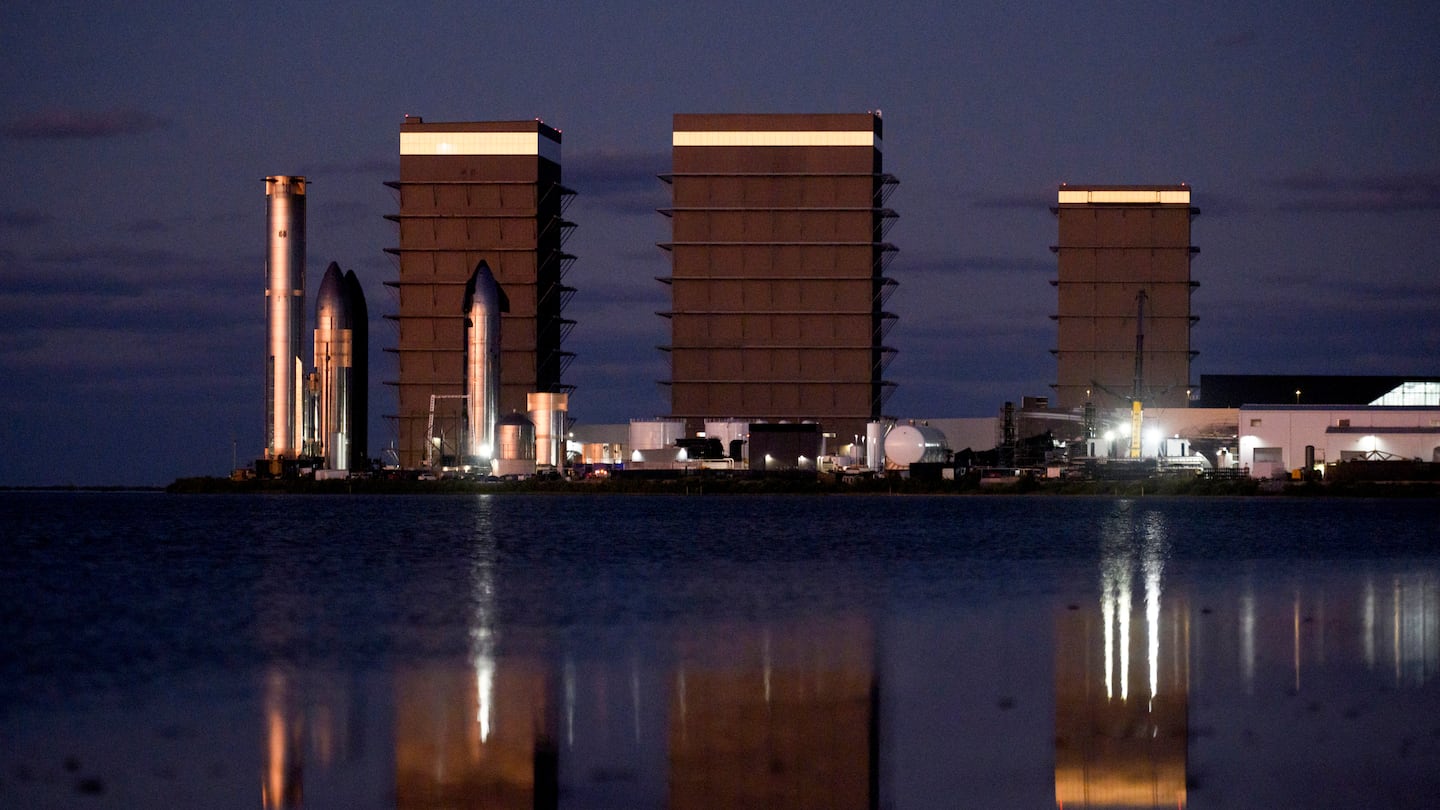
621, 182
23, 220
1376, 193
59, 124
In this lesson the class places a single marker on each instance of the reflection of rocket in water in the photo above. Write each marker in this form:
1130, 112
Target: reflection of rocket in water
484, 301
477, 731
283, 783
1120, 739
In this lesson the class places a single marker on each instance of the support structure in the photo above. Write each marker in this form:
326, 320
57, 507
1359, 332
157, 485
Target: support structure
778, 258
1119, 245
473, 191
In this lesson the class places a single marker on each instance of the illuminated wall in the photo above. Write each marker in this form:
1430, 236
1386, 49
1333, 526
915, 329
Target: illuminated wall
470, 191
777, 269
779, 716
1122, 683
1117, 242
472, 737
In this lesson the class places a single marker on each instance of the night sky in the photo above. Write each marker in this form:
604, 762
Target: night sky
134, 137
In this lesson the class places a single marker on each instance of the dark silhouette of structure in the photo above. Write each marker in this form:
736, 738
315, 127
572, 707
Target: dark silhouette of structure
777, 281
473, 191
1124, 282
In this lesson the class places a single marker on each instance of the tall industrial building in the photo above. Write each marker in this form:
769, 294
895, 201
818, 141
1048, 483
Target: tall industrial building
1124, 282
470, 192
778, 269
285, 316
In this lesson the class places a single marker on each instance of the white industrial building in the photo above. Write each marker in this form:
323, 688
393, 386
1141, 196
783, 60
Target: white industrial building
1276, 439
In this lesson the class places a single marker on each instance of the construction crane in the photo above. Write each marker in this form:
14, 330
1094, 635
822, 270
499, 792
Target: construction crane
1137, 391
1137, 408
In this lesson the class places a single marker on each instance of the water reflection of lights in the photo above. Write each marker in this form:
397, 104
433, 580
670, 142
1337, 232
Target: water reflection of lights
1116, 585
1415, 638
483, 631
281, 787
1111, 751
569, 685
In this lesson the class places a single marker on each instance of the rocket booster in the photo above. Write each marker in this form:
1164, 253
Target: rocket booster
484, 301
285, 303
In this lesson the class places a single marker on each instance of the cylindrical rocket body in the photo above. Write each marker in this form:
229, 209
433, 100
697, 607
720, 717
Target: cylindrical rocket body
875, 445
547, 411
334, 364
285, 302
482, 362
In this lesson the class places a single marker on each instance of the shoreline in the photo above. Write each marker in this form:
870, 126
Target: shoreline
809, 485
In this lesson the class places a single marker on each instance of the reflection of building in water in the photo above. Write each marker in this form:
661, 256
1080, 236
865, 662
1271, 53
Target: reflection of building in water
1402, 626
1122, 683
481, 734
283, 781
312, 720
782, 716
450, 753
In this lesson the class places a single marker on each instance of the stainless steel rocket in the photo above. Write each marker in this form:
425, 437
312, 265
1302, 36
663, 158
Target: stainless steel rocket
285, 303
484, 301
335, 368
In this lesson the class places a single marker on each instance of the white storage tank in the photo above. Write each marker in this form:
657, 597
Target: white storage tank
547, 412
654, 434
915, 444
515, 446
729, 431
875, 445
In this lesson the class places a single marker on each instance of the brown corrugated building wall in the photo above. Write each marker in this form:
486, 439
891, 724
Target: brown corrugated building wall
778, 257
472, 191
1117, 242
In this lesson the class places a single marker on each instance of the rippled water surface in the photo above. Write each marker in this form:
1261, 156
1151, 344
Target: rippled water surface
515, 651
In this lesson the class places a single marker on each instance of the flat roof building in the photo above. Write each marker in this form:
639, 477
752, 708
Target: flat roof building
470, 192
1124, 283
777, 269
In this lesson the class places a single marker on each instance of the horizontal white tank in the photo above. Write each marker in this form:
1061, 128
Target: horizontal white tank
655, 433
914, 444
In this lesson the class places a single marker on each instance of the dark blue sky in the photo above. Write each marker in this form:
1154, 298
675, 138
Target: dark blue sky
134, 137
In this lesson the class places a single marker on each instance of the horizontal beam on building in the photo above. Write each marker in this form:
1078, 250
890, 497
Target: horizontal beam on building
881, 245
708, 278
395, 251
396, 184
746, 208
767, 347
1192, 249
472, 213
886, 178
1173, 195
827, 312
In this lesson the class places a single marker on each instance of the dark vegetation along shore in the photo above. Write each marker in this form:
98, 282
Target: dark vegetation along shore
808, 485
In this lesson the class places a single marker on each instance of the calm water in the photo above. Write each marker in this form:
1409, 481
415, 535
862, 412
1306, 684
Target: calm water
520, 651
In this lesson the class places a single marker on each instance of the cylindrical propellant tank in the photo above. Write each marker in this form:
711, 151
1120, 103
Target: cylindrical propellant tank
285, 305
514, 446
484, 302
875, 445
913, 444
547, 411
